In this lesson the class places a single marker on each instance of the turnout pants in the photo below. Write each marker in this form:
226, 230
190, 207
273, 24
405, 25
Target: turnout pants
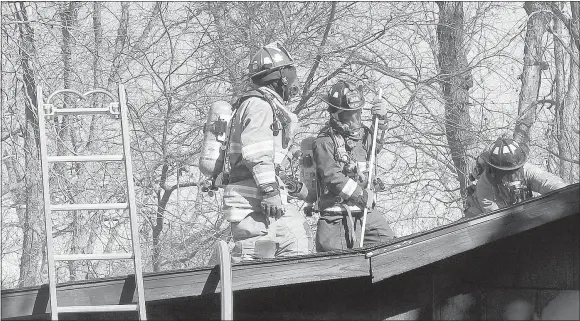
243, 209
334, 230
292, 234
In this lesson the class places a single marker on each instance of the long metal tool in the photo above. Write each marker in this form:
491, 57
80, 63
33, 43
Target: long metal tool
115, 109
226, 281
371, 167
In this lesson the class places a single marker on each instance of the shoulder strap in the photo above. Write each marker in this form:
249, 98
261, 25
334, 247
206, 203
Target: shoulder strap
251, 93
262, 94
340, 152
325, 130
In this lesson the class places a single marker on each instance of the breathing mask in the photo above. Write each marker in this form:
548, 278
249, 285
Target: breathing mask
512, 185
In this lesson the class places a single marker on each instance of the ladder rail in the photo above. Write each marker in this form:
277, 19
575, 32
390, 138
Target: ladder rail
115, 109
47, 209
132, 203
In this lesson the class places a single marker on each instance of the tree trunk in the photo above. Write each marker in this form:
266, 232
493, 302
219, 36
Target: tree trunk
533, 66
572, 105
89, 236
98, 36
68, 15
455, 81
30, 214
560, 124
120, 42
162, 197
575, 24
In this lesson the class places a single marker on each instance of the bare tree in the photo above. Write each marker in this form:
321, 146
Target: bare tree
562, 108
534, 63
568, 99
568, 148
456, 81
176, 59
32, 243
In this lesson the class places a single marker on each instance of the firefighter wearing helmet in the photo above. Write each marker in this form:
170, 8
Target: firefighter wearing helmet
340, 152
507, 178
255, 199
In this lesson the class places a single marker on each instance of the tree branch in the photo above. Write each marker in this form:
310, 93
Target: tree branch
567, 22
308, 81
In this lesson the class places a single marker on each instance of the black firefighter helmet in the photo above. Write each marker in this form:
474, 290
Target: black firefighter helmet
505, 154
344, 95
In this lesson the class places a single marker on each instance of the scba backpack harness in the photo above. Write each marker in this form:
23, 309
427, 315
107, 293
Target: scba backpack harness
214, 160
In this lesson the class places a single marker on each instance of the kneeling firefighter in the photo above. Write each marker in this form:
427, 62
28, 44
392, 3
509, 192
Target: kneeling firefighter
508, 178
340, 153
255, 202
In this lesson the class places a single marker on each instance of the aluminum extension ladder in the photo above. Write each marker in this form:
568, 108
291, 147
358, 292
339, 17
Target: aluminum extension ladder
116, 108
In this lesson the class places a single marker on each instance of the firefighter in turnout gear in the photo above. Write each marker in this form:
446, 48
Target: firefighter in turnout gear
341, 151
255, 199
471, 206
508, 179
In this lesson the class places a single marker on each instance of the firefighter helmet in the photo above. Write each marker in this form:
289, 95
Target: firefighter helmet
345, 95
505, 154
271, 57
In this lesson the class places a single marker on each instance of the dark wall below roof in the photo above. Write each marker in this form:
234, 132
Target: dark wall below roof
475, 285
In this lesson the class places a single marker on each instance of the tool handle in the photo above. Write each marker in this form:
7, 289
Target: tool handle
371, 164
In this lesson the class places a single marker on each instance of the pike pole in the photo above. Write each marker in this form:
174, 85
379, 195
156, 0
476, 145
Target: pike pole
371, 166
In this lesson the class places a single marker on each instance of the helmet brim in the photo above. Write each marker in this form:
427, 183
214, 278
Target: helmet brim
325, 98
486, 157
267, 71
504, 168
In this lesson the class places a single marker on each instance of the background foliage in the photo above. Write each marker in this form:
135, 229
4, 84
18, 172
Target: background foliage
455, 75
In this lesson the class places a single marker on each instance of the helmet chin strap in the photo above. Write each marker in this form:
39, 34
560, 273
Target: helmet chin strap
284, 87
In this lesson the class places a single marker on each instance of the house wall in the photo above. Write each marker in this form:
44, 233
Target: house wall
534, 272
526, 274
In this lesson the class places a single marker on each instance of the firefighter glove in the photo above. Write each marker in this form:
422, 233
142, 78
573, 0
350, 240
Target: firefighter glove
369, 199
300, 191
379, 109
272, 205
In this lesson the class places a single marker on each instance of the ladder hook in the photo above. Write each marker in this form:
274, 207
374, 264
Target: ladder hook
71, 91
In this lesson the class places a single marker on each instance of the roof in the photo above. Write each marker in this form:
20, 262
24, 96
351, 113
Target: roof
375, 263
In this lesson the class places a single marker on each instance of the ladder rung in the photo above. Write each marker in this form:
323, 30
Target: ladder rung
89, 158
103, 256
77, 207
81, 111
98, 308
